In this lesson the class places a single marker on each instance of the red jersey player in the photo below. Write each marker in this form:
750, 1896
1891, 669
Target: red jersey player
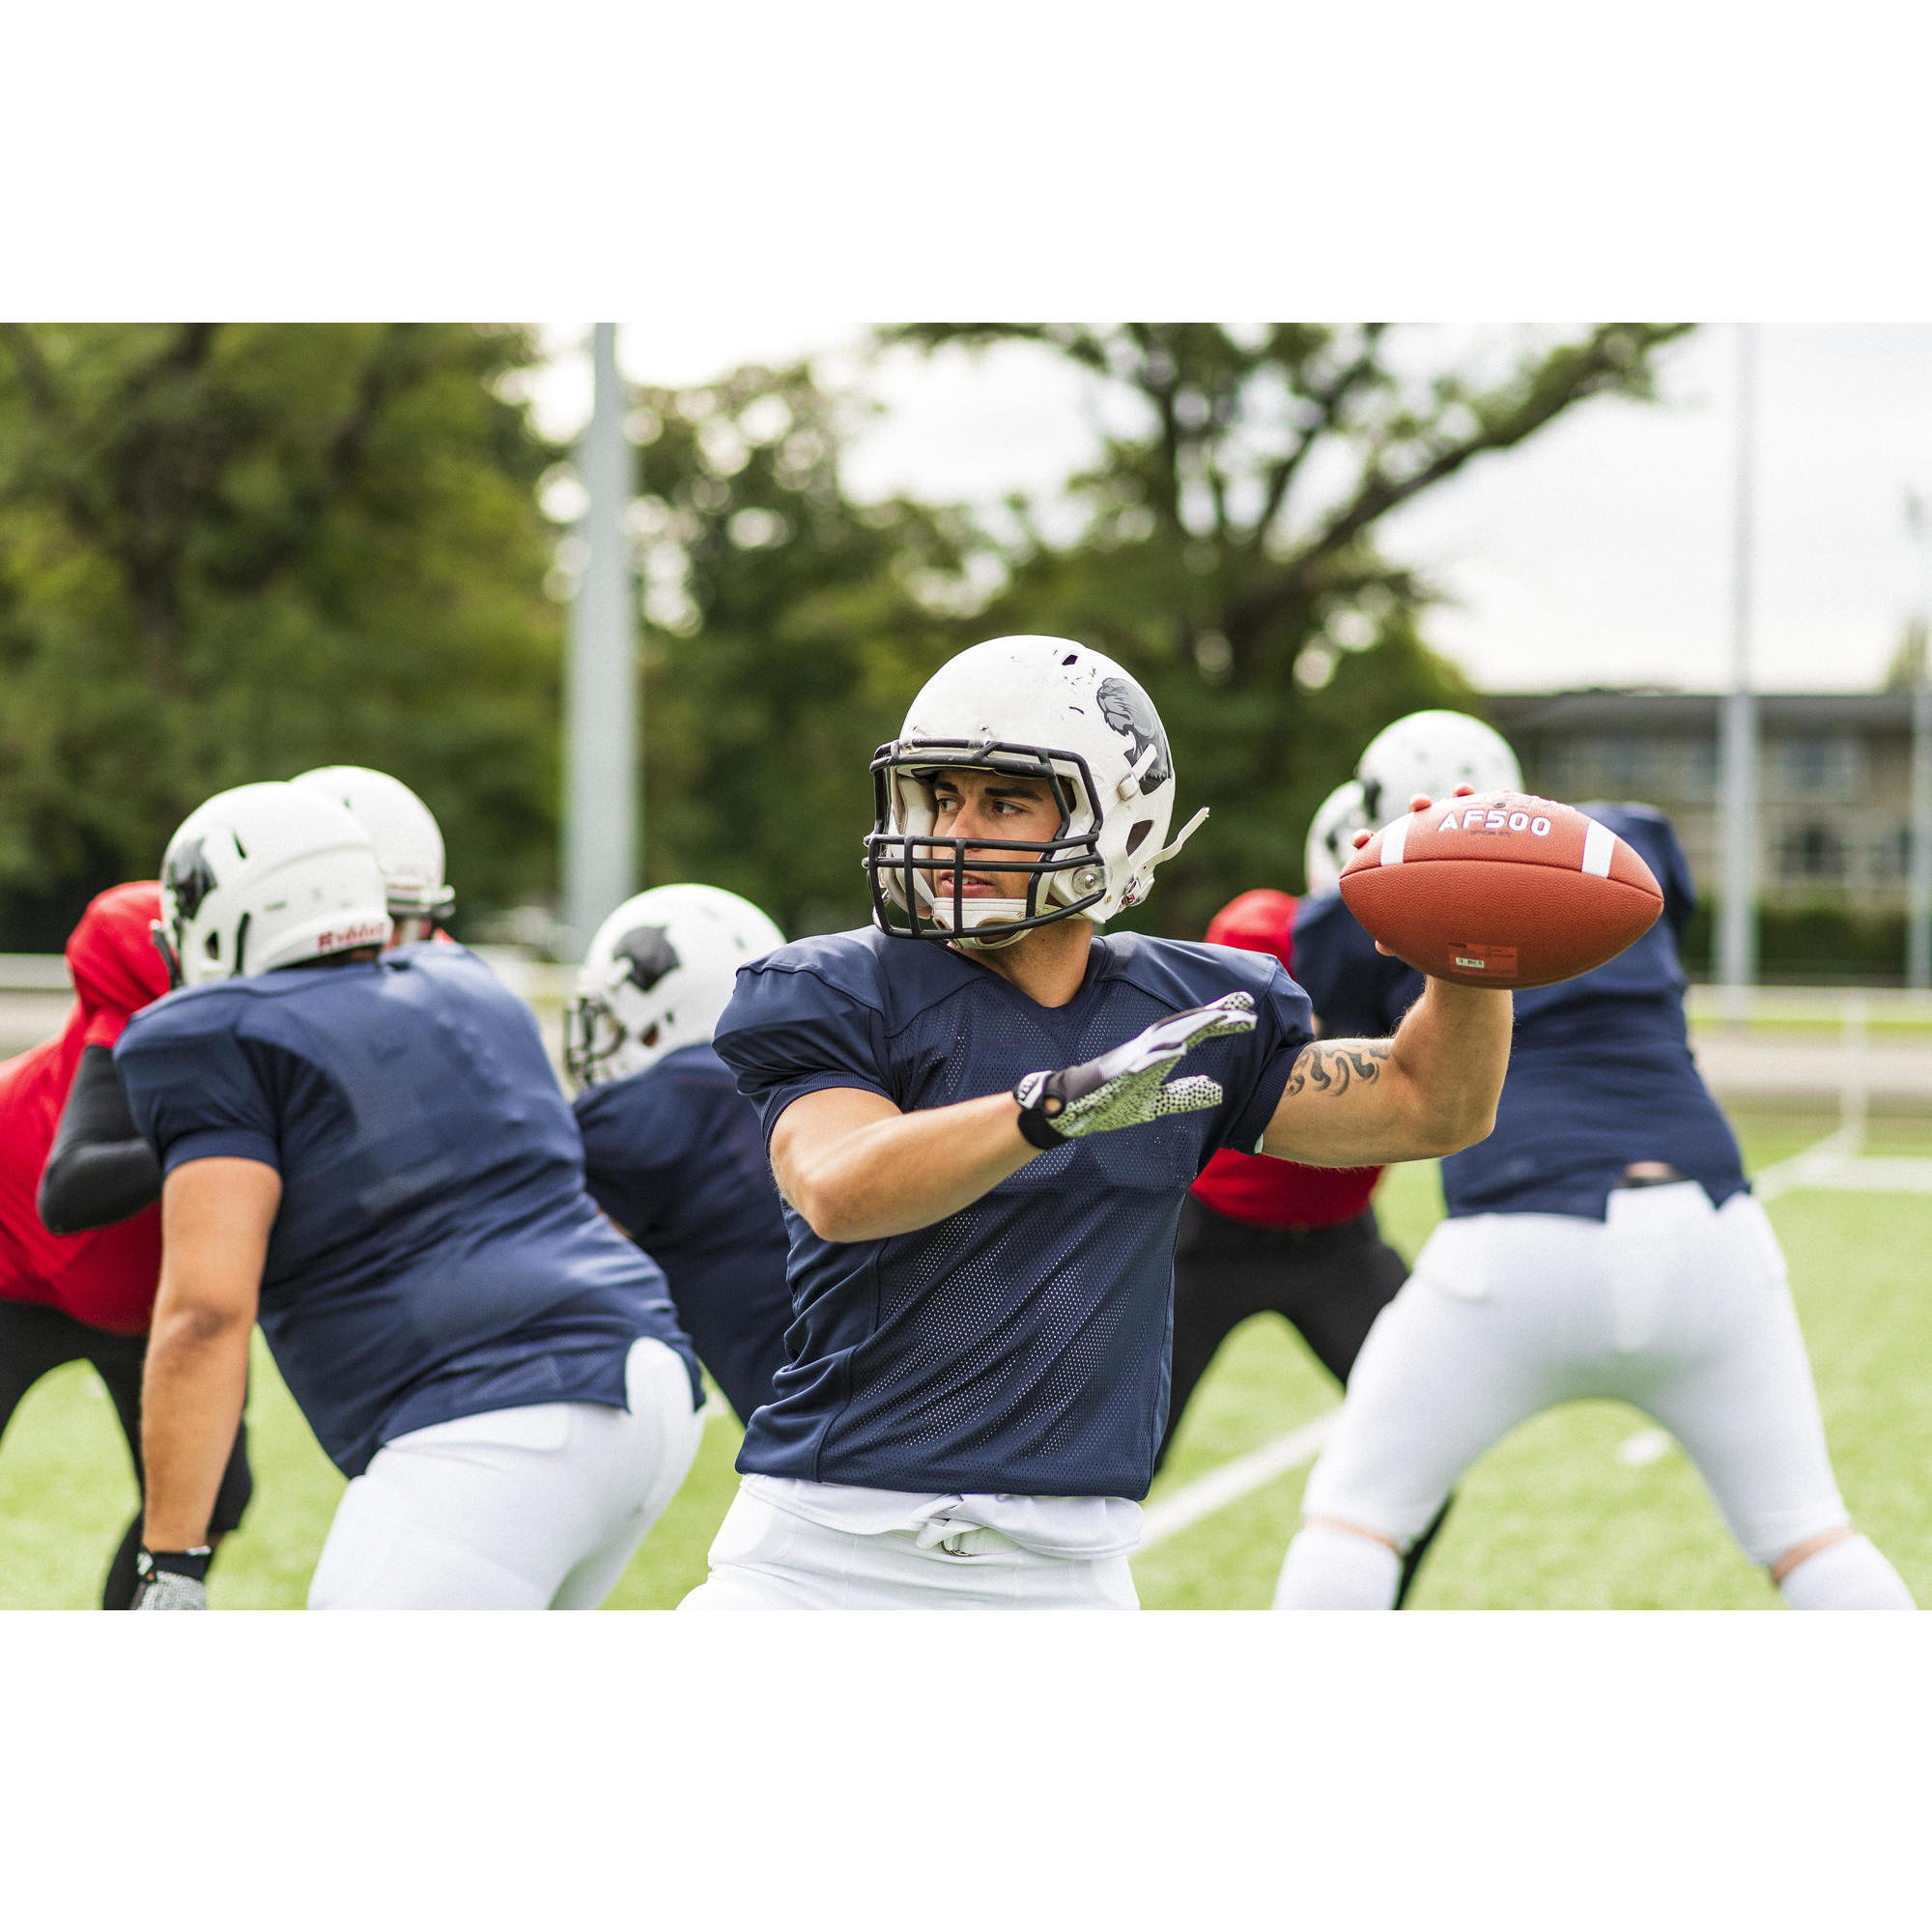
1263, 1236
67, 1297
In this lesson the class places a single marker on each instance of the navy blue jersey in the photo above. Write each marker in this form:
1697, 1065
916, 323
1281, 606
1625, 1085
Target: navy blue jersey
1019, 1347
1599, 1074
435, 1254
674, 1155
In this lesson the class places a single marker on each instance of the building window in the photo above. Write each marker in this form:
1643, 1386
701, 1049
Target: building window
1818, 767
1698, 770
1892, 855
1626, 767
1811, 852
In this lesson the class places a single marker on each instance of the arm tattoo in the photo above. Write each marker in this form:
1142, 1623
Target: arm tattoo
1333, 1070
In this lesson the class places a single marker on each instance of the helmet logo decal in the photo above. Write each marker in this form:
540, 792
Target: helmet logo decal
1127, 710
190, 879
648, 953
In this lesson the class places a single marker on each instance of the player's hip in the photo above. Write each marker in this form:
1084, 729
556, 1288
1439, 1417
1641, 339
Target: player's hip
1666, 1271
765, 1558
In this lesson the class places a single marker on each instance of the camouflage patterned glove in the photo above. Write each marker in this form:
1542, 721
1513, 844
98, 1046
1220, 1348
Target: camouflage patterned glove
1127, 1086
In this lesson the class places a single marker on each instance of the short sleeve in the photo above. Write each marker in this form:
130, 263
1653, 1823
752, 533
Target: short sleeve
1357, 992
636, 1134
1680, 893
789, 1031
1655, 839
1281, 1031
195, 1092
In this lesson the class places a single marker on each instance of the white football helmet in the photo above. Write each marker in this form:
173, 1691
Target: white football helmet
408, 841
267, 875
657, 975
1028, 707
1432, 752
1331, 836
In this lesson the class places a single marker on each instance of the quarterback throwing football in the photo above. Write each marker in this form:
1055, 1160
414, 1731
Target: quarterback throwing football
977, 1118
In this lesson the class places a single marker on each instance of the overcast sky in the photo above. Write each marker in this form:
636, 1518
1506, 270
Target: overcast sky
1601, 553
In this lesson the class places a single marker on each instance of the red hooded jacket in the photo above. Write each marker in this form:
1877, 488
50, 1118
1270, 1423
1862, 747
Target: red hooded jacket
107, 1276
1255, 1188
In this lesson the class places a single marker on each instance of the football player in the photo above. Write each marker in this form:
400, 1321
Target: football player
977, 1118
1259, 1235
672, 1151
73, 1287
408, 841
368, 1151
1603, 1241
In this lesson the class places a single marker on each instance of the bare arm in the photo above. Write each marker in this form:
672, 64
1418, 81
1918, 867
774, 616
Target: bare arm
859, 1169
216, 1218
1432, 1090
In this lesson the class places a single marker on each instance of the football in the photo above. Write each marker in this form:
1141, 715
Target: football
1502, 889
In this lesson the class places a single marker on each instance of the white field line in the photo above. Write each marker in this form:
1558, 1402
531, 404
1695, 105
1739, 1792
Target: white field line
1235, 1480
1835, 1163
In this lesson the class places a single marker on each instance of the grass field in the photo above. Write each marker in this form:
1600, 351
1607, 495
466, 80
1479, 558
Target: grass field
1551, 1518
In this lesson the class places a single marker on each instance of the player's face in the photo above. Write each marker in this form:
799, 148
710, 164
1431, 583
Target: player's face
989, 804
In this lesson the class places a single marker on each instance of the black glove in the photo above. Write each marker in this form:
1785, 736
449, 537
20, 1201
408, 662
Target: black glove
1127, 1085
171, 1580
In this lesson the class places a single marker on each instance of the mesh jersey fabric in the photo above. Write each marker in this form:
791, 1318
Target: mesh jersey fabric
1600, 1072
1251, 1187
436, 1254
105, 1277
674, 1155
1019, 1347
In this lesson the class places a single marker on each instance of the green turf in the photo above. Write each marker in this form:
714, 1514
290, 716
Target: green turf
1549, 1519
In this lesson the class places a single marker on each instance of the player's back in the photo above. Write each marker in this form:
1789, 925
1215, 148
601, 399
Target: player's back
675, 1154
1600, 1069
435, 1252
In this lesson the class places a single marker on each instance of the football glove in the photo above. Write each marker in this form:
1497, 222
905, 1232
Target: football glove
171, 1580
1127, 1086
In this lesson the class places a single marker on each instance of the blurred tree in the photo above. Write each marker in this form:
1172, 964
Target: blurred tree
785, 631
1226, 552
229, 551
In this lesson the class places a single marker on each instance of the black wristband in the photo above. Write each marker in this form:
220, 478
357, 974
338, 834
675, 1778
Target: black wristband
189, 1563
1036, 1129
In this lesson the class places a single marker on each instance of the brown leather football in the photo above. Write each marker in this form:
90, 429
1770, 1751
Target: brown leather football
1503, 888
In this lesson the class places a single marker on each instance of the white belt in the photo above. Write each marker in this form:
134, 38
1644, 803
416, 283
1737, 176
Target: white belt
953, 1538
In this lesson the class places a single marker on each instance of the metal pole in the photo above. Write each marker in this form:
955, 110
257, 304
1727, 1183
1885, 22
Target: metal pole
1737, 933
600, 813
1918, 877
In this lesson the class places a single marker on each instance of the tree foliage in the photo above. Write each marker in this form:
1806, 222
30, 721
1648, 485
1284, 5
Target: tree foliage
1228, 554
230, 552
788, 628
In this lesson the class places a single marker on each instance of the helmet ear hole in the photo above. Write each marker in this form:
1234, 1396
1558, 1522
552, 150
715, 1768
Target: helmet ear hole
212, 946
1137, 837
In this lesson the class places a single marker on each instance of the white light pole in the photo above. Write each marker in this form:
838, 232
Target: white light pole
1919, 873
600, 803
1736, 926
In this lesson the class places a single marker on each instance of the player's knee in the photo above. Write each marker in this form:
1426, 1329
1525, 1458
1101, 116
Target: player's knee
1847, 1572
1335, 1566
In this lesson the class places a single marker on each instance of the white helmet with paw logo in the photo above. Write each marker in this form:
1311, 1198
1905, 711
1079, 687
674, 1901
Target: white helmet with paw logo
657, 976
264, 876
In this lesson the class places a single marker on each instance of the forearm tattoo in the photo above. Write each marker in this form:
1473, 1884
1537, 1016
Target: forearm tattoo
1333, 1068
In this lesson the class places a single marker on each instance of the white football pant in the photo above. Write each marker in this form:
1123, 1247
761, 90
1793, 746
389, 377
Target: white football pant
1668, 1304
765, 1559
521, 1509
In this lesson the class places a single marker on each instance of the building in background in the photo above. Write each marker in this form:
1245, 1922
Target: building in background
1833, 785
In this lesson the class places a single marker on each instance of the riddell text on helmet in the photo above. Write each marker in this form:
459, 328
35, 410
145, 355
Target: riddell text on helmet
367, 935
